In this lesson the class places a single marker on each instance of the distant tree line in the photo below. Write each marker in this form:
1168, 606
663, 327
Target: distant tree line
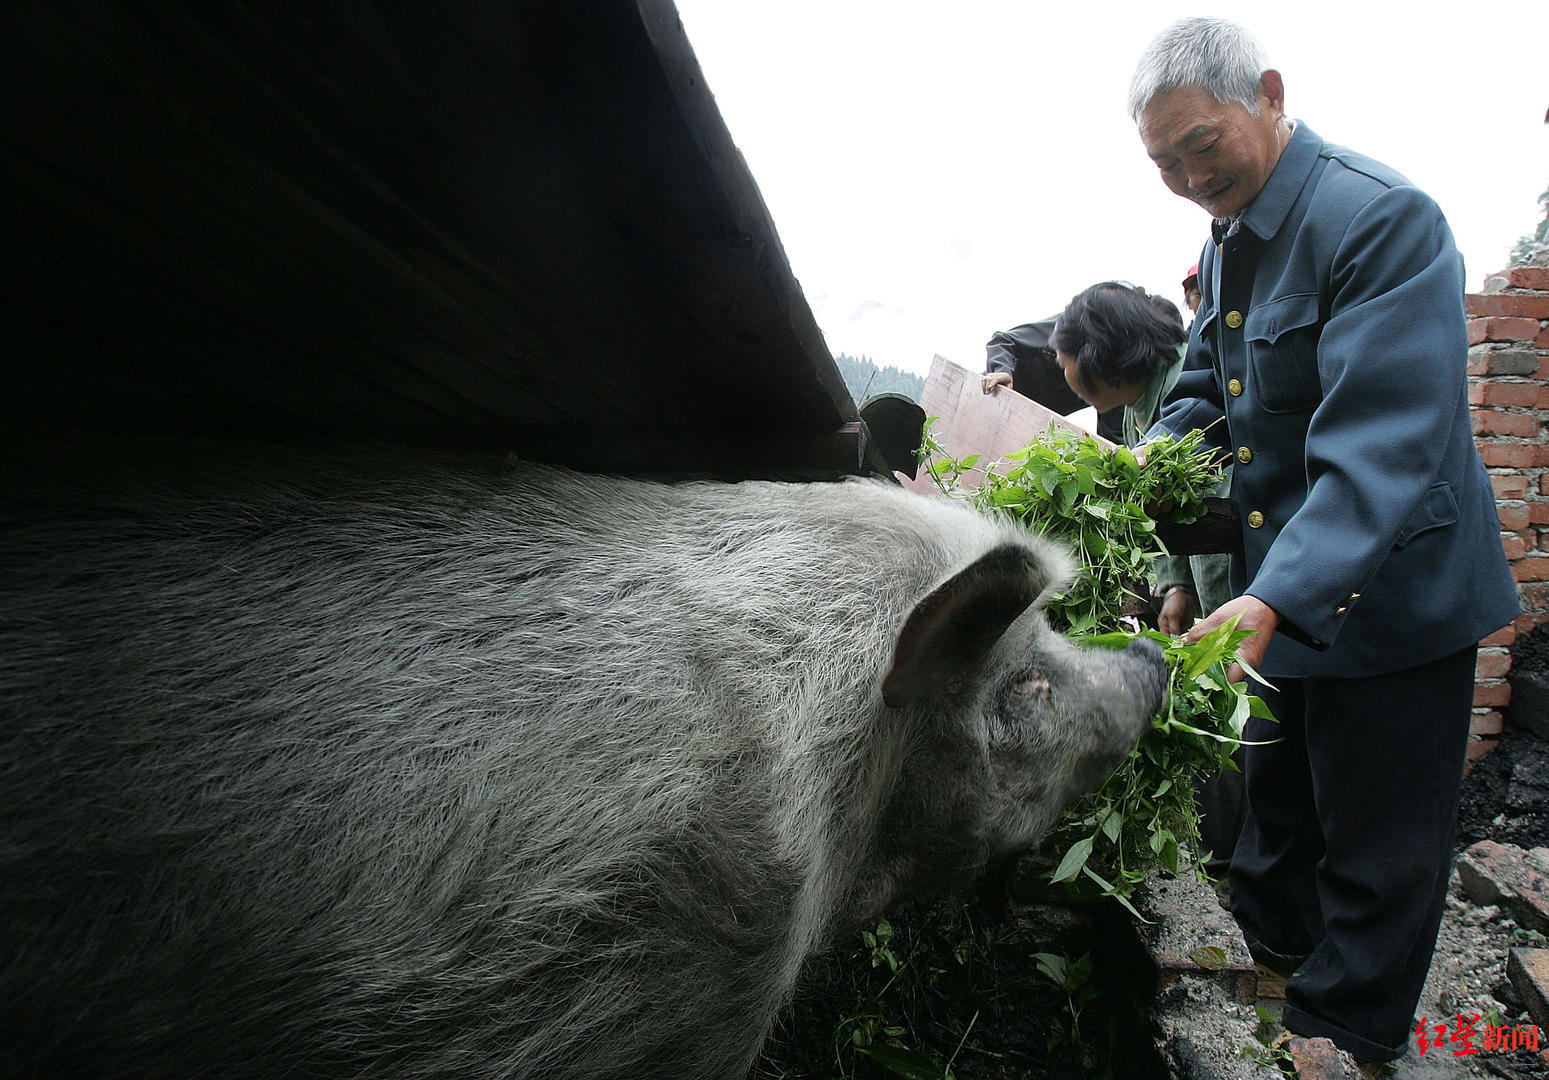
1533, 249
864, 379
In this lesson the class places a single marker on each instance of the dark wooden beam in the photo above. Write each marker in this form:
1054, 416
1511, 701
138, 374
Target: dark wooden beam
512, 225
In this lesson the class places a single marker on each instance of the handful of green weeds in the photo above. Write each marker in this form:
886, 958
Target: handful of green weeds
1145, 815
1101, 502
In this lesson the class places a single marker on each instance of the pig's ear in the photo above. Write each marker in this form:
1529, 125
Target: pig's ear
949, 632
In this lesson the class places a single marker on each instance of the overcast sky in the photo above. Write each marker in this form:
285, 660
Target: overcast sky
940, 171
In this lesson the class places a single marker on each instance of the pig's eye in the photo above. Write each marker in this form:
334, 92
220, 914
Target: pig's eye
1029, 688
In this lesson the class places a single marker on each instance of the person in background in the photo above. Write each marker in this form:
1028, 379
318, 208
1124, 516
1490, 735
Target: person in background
1021, 358
1329, 357
1191, 289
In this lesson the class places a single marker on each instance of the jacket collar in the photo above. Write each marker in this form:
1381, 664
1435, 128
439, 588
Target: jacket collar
1270, 207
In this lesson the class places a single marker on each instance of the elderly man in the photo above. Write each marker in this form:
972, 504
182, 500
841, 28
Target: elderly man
1331, 339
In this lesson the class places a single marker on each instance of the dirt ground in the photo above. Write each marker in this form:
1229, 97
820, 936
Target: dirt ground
1506, 799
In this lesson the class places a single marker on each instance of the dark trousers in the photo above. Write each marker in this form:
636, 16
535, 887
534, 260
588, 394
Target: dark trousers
1341, 871
1221, 811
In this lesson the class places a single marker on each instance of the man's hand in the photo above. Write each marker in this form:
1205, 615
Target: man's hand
1256, 615
994, 380
1179, 609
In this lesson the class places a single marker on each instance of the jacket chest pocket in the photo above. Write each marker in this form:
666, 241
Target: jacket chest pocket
1282, 344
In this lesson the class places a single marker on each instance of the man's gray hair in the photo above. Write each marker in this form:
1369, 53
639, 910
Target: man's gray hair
1214, 54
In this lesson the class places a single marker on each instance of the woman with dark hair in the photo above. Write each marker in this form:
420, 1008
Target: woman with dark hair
1117, 346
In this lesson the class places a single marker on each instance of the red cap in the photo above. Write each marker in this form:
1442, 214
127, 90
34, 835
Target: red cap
1192, 275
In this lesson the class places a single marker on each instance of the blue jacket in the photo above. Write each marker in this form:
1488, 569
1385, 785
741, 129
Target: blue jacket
1331, 339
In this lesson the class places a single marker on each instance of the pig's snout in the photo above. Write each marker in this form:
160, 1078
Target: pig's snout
1146, 669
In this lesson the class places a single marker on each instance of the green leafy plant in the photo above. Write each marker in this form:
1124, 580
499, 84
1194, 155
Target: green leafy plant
1145, 815
965, 999
1102, 502
1522, 935
869, 1034
1074, 977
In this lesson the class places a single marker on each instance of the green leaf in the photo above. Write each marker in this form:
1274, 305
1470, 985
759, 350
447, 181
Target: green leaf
1052, 965
1240, 713
1111, 825
1074, 861
903, 1062
1210, 649
1209, 957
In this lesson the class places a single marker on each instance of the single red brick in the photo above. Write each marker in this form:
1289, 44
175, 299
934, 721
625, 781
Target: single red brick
1478, 748
1515, 516
1510, 361
1514, 546
1489, 722
1531, 568
1517, 425
1492, 664
1529, 277
1510, 485
1505, 637
1518, 305
1492, 695
1508, 455
1501, 329
1316, 1059
1523, 395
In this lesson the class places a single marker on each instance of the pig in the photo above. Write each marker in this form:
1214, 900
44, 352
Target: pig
348, 760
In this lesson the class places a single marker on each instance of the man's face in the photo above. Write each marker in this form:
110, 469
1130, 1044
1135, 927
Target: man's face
1219, 155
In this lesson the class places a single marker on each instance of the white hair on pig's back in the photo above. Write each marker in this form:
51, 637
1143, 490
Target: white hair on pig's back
807, 586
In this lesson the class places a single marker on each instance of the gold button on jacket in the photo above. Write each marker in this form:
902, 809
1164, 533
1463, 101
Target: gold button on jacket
1234, 388
1255, 519
1234, 319
1244, 455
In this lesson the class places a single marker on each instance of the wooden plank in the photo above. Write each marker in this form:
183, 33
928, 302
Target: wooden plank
969, 421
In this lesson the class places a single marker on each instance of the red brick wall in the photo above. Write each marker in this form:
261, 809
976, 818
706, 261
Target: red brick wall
1508, 368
